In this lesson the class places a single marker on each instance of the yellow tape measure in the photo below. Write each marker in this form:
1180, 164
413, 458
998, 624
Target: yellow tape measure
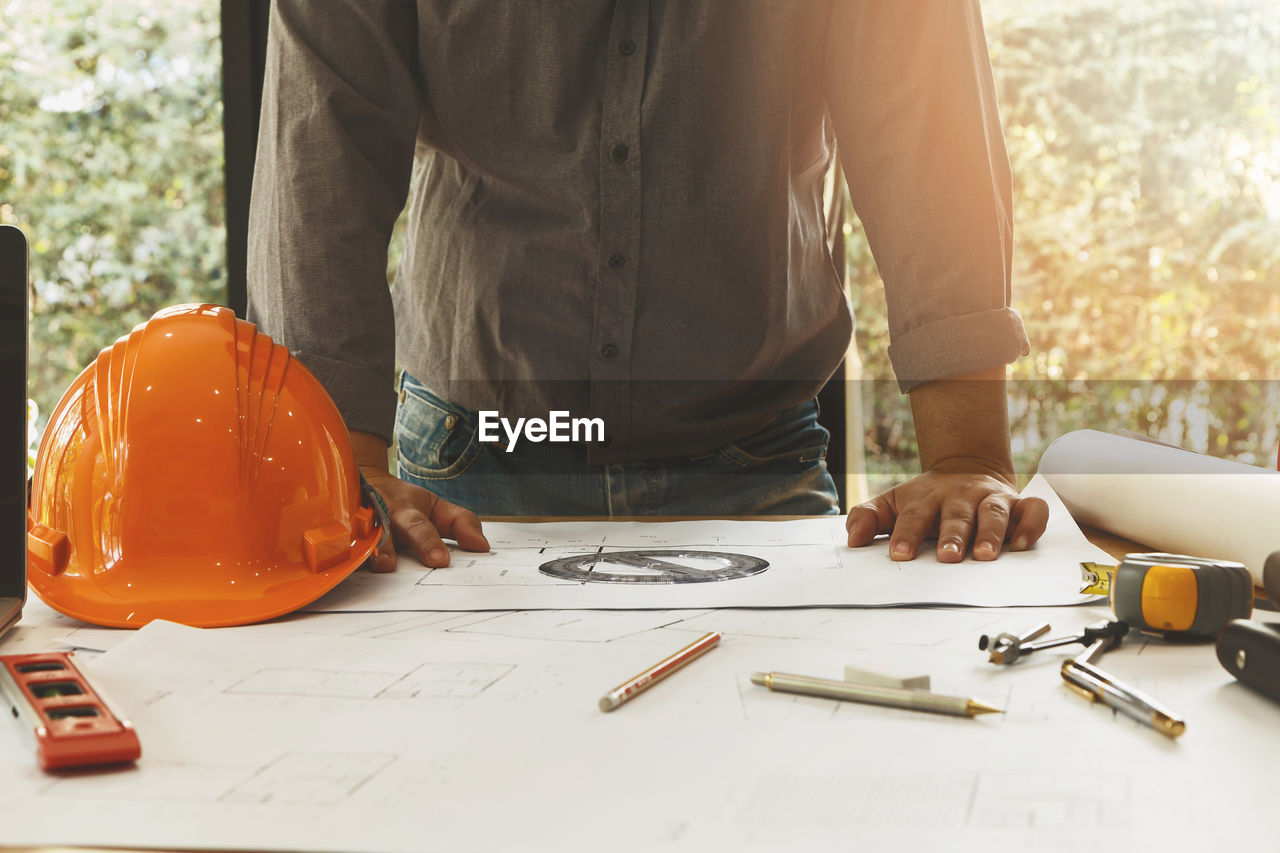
1173, 594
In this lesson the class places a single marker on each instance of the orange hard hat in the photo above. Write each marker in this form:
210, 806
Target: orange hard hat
195, 472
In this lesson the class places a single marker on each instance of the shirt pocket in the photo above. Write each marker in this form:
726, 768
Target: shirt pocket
435, 439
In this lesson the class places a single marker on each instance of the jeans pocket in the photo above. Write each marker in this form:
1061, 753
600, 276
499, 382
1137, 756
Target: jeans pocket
794, 438
435, 439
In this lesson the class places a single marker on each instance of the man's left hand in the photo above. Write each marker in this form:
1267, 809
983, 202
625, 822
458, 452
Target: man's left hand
966, 496
965, 510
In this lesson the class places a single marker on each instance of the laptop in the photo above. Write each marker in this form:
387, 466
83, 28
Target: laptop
13, 426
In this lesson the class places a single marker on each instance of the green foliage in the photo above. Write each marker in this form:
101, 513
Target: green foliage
1145, 143
111, 162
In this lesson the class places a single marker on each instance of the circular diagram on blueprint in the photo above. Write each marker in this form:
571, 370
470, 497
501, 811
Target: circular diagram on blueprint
654, 565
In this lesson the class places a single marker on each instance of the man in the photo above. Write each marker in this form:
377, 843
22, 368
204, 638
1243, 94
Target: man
617, 214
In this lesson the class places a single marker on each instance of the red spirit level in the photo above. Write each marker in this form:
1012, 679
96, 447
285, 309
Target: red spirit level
71, 723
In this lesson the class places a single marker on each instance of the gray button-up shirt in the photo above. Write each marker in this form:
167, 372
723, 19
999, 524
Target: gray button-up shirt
617, 205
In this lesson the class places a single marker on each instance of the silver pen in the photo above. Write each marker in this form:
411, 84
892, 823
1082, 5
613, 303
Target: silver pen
1096, 686
873, 694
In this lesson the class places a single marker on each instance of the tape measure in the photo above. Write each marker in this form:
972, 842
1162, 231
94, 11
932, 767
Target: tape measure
1173, 594
1251, 650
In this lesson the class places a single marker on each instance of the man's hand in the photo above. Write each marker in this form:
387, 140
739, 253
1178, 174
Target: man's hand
960, 509
966, 495
419, 519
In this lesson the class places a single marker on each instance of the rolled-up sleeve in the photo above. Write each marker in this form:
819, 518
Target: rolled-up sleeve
909, 88
340, 110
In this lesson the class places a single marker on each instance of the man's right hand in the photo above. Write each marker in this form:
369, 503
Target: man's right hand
419, 519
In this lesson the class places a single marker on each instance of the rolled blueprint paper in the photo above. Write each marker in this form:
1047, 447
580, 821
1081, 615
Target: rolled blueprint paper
1169, 499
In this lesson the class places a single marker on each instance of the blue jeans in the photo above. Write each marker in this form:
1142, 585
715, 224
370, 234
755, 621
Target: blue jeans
780, 470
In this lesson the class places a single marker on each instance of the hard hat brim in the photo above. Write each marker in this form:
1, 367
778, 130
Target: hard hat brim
204, 611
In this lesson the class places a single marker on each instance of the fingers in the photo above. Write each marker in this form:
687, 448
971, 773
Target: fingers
1029, 518
419, 521
975, 514
413, 528
869, 520
955, 528
916, 520
992, 519
423, 531
879, 516
384, 559
460, 524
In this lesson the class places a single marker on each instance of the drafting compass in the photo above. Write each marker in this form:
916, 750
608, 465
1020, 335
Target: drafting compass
654, 565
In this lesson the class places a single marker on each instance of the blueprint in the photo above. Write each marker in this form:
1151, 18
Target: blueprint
400, 720
472, 732
808, 564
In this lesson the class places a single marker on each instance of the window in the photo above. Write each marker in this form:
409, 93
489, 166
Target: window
1145, 143
111, 162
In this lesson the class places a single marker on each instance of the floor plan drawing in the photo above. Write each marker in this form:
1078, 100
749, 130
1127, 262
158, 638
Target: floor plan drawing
315, 683
164, 782
308, 778
447, 680
334, 732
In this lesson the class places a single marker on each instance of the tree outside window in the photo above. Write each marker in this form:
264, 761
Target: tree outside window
111, 162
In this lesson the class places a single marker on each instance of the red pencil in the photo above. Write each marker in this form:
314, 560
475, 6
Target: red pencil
627, 689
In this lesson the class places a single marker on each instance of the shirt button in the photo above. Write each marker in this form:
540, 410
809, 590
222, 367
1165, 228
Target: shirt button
609, 350
617, 261
620, 153
626, 47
